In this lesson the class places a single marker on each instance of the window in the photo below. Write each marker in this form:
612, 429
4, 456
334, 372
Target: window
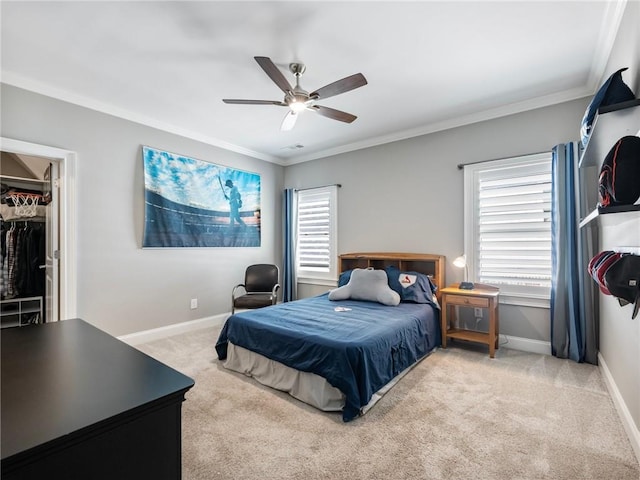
508, 227
316, 235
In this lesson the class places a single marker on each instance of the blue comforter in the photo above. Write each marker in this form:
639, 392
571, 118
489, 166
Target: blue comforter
358, 350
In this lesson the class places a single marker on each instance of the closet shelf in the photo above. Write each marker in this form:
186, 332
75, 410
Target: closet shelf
20, 311
10, 179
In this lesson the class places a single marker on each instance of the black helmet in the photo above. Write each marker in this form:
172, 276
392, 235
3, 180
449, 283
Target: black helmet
228, 183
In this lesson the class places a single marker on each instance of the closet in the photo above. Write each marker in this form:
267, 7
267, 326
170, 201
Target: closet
24, 194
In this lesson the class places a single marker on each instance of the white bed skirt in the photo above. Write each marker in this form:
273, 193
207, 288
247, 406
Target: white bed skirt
304, 386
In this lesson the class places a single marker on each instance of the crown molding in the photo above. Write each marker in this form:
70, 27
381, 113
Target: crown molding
485, 115
41, 88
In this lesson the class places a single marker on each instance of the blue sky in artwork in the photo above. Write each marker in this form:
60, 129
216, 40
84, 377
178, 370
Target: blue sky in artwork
197, 183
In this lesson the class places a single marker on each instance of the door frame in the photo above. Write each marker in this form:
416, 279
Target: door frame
66, 160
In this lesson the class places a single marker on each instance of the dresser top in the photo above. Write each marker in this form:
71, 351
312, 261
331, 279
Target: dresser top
61, 377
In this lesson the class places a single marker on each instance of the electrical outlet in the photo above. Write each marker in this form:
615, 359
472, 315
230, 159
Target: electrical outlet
477, 312
194, 303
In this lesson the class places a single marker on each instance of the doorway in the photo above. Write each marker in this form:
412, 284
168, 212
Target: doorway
56, 167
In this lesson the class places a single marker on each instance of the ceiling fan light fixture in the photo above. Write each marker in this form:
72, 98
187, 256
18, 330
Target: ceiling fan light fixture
298, 99
297, 107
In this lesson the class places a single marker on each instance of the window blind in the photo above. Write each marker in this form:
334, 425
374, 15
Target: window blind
514, 224
511, 224
316, 237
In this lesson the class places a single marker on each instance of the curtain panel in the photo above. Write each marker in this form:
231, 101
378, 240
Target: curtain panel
289, 282
574, 301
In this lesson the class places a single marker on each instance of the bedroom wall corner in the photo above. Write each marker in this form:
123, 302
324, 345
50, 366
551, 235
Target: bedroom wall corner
123, 288
414, 203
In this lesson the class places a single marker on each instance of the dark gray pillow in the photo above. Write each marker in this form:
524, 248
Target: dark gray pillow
413, 287
344, 278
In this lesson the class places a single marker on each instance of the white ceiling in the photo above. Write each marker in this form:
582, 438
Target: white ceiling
429, 65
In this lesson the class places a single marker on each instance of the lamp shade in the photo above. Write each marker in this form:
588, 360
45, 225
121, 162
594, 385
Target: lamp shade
460, 262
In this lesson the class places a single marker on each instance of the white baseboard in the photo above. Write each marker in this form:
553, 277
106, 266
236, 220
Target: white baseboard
625, 416
169, 330
525, 344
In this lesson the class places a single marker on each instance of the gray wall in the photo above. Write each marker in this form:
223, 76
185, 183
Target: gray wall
404, 196
619, 334
121, 287
407, 196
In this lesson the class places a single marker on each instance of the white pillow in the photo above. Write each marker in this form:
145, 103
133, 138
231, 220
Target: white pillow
369, 285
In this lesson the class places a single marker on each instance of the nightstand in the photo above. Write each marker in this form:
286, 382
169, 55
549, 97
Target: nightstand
482, 296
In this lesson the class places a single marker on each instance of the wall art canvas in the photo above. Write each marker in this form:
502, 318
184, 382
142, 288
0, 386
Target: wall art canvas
193, 203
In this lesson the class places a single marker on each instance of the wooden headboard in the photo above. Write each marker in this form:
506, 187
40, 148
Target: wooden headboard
432, 265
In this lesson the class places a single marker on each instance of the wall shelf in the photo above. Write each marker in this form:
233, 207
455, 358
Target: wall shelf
610, 124
605, 210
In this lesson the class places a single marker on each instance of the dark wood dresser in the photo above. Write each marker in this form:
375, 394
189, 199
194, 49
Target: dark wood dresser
78, 403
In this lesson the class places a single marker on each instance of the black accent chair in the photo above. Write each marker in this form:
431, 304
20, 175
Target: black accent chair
260, 287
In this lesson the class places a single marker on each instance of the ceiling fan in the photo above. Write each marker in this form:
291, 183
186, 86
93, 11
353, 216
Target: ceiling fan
298, 99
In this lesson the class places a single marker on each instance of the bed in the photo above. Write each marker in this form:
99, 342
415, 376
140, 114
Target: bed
340, 355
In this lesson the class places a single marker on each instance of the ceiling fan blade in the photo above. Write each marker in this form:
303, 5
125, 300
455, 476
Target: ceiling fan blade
333, 113
253, 102
274, 73
289, 121
340, 86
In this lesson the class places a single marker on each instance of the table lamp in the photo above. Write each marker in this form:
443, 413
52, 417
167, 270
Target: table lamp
461, 262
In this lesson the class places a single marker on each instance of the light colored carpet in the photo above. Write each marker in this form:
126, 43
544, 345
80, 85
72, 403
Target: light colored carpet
457, 415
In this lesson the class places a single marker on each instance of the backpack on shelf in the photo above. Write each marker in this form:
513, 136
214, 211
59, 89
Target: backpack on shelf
618, 274
619, 181
623, 281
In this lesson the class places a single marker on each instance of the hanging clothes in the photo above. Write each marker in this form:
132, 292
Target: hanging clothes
22, 254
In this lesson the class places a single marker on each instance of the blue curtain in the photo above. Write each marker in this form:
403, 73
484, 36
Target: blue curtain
574, 328
289, 254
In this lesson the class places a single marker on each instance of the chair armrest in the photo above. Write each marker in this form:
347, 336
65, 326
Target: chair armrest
274, 293
233, 292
